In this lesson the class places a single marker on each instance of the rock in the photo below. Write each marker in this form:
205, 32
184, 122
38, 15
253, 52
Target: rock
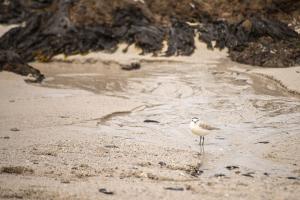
256, 41
249, 174
16, 11
152, 176
292, 178
105, 191
145, 164
151, 121
174, 188
219, 175
14, 129
16, 170
263, 142
189, 187
10, 61
232, 167
65, 181
132, 66
162, 164
111, 146
84, 166
181, 39
80, 26
194, 170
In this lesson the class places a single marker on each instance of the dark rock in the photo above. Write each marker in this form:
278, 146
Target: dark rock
219, 175
16, 170
255, 41
188, 187
181, 39
17, 11
132, 66
249, 174
12, 11
232, 167
174, 188
162, 164
195, 170
65, 181
79, 26
14, 129
111, 146
151, 121
292, 178
263, 142
10, 61
145, 164
105, 191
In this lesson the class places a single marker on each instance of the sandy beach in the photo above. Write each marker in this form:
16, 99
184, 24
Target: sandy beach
82, 133
97, 98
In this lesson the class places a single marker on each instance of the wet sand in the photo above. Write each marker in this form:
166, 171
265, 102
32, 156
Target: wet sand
83, 130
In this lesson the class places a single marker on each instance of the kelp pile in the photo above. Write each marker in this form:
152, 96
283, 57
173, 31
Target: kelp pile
255, 32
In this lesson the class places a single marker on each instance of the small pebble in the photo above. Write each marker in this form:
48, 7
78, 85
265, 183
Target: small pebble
131, 66
291, 178
65, 181
161, 163
174, 188
105, 191
264, 142
151, 121
249, 174
219, 175
232, 167
111, 146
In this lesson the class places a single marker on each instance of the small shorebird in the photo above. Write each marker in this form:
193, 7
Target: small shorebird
200, 129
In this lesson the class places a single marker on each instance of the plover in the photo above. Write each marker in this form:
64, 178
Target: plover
200, 129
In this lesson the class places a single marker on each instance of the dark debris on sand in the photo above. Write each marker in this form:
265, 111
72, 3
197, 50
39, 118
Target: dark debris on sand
257, 33
105, 191
16, 170
10, 61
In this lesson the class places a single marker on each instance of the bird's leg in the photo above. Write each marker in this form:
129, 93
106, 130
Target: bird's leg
200, 144
203, 144
200, 149
200, 140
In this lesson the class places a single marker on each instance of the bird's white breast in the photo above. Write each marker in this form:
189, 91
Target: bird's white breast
197, 130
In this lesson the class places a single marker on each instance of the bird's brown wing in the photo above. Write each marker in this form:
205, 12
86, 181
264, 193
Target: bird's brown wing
207, 127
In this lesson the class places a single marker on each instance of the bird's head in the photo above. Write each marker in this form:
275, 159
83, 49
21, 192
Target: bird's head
195, 119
